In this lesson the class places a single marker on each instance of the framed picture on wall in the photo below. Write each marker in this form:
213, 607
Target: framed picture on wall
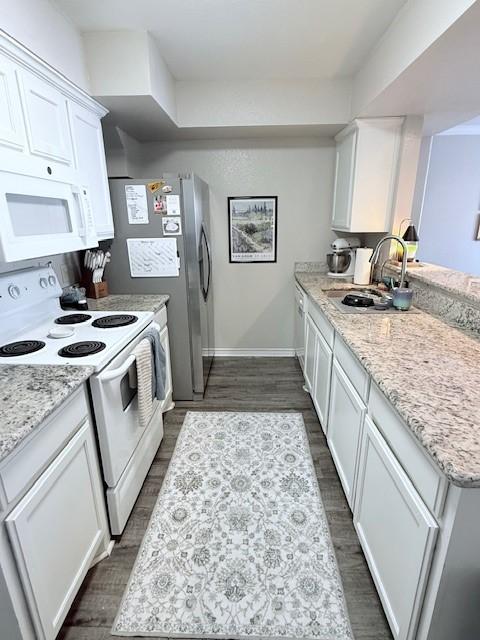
252, 228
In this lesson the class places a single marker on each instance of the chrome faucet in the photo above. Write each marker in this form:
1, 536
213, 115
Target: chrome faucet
374, 256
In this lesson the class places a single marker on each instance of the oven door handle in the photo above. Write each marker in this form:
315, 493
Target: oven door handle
108, 376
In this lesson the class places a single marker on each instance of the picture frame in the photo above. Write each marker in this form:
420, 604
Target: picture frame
252, 229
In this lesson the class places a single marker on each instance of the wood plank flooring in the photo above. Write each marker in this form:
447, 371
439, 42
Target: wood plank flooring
236, 384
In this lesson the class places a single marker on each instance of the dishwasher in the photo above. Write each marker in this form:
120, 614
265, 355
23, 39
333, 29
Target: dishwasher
300, 301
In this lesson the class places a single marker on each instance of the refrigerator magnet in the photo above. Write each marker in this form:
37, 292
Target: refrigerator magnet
159, 204
155, 186
172, 226
167, 188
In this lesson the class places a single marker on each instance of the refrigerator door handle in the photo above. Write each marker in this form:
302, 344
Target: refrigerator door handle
206, 289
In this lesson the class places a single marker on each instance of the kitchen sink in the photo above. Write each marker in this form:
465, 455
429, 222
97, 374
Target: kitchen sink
337, 295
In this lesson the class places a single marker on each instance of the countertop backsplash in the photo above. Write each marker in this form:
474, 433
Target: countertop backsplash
440, 296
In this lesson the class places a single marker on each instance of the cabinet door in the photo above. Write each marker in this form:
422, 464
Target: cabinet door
310, 347
345, 424
12, 132
46, 119
344, 174
396, 531
89, 154
322, 377
55, 531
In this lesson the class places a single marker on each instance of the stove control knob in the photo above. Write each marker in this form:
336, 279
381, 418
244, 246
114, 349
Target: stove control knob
43, 283
52, 281
14, 291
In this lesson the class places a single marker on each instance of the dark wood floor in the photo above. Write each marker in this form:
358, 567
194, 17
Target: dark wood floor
242, 384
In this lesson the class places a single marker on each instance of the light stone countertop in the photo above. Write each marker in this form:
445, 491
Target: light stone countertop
461, 285
428, 371
129, 302
29, 394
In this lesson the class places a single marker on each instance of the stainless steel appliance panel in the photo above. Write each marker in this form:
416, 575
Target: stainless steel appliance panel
190, 316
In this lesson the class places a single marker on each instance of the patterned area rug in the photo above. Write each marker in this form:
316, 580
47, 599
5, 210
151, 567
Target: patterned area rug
238, 544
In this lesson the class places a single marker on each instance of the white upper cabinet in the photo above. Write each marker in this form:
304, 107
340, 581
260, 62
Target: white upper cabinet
46, 119
12, 130
52, 160
89, 154
345, 165
365, 175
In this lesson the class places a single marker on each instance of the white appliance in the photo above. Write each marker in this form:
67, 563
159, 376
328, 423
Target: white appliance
43, 217
342, 261
300, 303
35, 330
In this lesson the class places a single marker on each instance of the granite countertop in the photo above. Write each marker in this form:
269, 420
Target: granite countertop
461, 285
29, 394
129, 302
428, 370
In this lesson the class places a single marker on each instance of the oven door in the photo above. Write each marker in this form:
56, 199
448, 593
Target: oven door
115, 405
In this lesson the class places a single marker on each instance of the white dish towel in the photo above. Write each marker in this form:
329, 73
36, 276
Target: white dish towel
143, 360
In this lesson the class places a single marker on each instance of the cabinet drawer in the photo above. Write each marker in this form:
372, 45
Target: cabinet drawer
396, 531
429, 482
352, 367
322, 323
23, 467
299, 297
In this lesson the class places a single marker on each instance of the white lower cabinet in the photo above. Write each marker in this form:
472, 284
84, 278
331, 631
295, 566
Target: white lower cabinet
396, 531
310, 346
322, 375
345, 424
55, 531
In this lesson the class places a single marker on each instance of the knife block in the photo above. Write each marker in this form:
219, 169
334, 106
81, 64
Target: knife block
97, 290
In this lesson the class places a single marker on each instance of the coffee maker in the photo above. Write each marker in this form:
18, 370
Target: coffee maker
341, 262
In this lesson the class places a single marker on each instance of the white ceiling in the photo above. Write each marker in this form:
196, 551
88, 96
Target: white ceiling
247, 39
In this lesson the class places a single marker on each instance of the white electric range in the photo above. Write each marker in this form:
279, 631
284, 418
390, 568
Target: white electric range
35, 330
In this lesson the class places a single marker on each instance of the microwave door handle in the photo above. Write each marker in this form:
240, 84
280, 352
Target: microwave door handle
87, 220
78, 196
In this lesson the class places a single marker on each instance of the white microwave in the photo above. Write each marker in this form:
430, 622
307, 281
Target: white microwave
43, 217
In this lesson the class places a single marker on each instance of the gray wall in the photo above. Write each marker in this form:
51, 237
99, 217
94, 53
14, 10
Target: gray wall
449, 216
254, 306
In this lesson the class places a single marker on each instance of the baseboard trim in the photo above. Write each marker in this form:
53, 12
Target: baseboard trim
255, 353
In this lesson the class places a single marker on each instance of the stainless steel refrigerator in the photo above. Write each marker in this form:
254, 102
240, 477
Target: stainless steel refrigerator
190, 308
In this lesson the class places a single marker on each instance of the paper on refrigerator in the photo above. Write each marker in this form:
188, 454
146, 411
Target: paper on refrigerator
153, 257
137, 206
173, 205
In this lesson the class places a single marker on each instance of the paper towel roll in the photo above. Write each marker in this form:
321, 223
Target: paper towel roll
362, 266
